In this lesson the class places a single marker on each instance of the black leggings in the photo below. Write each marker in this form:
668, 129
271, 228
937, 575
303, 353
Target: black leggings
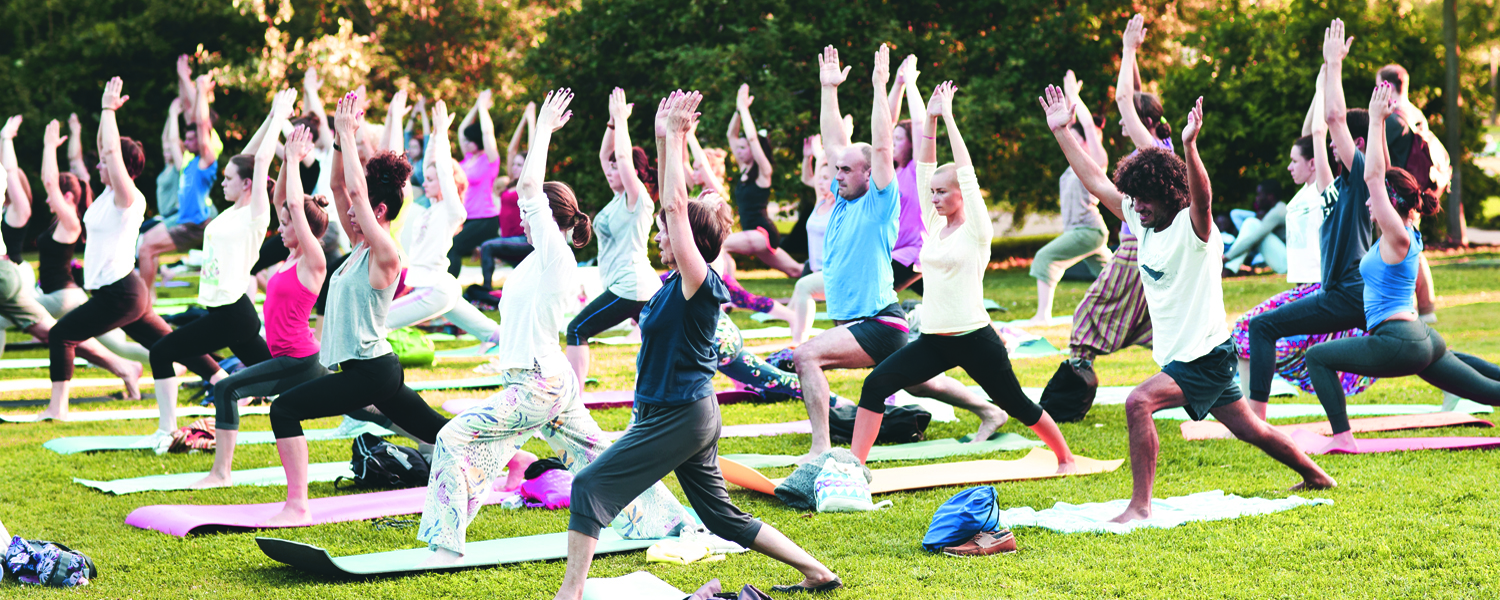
270, 378
474, 233
980, 353
1325, 311
119, 305
1396, 349
607, 310
235, 326
511, 250
359, 383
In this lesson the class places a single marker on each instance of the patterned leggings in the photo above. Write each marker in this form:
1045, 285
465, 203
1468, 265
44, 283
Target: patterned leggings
473, 449
751, 370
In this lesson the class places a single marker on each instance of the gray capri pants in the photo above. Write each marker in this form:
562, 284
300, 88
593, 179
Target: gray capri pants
665, 439
1079, 243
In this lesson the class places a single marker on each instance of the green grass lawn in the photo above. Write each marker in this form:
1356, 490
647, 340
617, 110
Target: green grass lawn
1412, 525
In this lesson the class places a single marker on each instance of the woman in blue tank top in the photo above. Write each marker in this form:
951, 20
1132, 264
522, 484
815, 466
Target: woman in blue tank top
1399, 344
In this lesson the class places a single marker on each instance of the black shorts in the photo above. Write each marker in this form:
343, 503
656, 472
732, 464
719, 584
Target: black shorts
607, 310
903, 277
1208, 382
879, 339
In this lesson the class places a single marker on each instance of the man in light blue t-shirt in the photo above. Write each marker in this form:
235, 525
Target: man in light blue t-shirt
199, 171
857, 276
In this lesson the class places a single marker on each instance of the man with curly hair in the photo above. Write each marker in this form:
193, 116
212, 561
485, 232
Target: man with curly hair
1168, 203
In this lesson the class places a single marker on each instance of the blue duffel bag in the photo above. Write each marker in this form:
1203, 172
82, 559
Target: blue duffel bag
962, 517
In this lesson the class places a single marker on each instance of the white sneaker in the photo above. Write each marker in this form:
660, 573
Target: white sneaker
697, 534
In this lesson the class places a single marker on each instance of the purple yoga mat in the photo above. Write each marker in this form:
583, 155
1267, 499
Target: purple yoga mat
752, 430
181, 520
1311, 443
609, 399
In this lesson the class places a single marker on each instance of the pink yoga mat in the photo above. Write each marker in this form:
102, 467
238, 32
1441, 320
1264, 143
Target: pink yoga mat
181, 520
1311, 443
752, 430
599, 400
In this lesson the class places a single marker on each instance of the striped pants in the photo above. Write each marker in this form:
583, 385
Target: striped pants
1113, 313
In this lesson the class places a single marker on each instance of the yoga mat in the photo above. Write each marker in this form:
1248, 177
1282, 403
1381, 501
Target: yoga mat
639, 585
45, 402
132, 414
180, 481
1036, 348
104, 443
182, 520
1209, 430
1057, 321
1311, 443
606, 399
1287, 411
750, 430
928, 450
823, 316
547, 546
42, 384
490, 381
1039, 464
1165, 513
36, 363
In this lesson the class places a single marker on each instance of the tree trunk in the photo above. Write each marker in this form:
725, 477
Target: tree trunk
1453, 122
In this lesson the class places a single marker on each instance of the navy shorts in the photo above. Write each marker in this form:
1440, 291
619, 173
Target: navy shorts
879, 339
1207, 382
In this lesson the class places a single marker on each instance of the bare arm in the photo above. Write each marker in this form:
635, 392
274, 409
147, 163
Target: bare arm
810, 162
516, 138
311, 264
395, 112
1395, 242
18, 212
883, 169
1335, 48
1200, 191
1092, 139
186, 91
171, 137
1322, 169
441, 153
487, 126
752, 136
311, 85
207, 155
553, 115
385, 258
914, 99
68, 226
281, 109
699, 156
691, 265
1125, 87
1059, 116
830, 120
76, 165
109, 145
607, 154
630, 181
1315, 109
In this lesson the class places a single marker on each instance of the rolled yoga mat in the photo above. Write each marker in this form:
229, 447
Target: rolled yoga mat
105, 443
1039, 464
184, 519
180, 481
1312, 443
928, 450
1288, 411
547, 546
1212, 430
1165, 513
79, 416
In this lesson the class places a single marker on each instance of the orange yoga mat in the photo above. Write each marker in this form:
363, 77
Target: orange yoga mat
1213, 430
1039, 464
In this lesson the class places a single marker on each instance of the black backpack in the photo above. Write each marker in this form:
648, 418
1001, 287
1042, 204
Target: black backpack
383, 465
1070, 394
902, 424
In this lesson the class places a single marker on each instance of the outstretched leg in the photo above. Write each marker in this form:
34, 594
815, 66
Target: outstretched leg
1246, 426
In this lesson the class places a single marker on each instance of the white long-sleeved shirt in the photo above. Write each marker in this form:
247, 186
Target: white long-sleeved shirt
536, 295
953, 265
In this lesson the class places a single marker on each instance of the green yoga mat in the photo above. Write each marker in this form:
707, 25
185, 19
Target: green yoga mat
104, 443
180, 481
928, 450
1287, 411
547, 546
455, 384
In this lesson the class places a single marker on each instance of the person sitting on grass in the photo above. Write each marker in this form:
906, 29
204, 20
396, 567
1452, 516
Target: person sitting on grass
1168, 204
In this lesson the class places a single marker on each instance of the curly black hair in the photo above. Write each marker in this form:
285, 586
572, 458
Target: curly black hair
385, 178
1156, 174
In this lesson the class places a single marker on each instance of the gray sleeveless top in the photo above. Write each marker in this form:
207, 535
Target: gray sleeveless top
354, 321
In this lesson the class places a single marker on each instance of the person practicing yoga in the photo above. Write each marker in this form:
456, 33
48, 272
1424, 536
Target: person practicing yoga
1311, 170
511, 247
199, 168
758, 235
119, 298
69, 197
1084, 235
857, 263
906, 266
359, 296
539, 393
1112, 315
817, 173
1399, 344
1344, 238
622, 227
427, 234
956, 330
231, 243
481, 166
1168, 204
677, 422
289, 298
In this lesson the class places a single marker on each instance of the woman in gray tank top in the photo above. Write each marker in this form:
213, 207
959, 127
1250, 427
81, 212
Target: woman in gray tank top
359, 295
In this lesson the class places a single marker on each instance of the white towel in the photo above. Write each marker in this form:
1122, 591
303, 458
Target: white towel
1165, 513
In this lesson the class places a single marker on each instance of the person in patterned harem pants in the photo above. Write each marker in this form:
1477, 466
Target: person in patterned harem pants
1291, 352
753, 371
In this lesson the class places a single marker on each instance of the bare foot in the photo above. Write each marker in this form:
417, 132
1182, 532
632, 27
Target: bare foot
132, 379
989, 422
1133, 513
807, 458
1038, 321
50, 415
289, 517
516, 469
212, 480
441, 557
1321, 482
1341, 443
1067, 468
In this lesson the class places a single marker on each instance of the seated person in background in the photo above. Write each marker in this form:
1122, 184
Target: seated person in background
1262, 232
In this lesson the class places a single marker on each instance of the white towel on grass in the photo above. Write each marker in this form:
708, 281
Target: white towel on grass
1165, 513
639, 585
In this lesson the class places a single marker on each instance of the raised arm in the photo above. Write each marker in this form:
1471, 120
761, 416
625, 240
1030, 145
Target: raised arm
1394, 240
311, 265
1060, 115
271, 125
710, 178
914, 98
487, 126
1092, 139
883, 169
66, 213
171, 136
311, 86
742, 102
1125, 87
1200, 191
1335, 48
109, 144
925, 154
606, 155
76, 165
691, 265
385, 258
441, 153
830, 120
1315, 109
552, 116
630, 181
281, 111
514, 149
395, 113
207, 154
18, 212
1318, 129
186, 91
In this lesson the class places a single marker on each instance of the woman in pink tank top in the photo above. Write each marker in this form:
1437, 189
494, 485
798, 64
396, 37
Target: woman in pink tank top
289, 301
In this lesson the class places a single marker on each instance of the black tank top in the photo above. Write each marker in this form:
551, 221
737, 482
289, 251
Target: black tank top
54, 264
752, 200
309, 175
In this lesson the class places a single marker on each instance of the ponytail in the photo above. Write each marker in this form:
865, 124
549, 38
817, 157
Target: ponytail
564, 205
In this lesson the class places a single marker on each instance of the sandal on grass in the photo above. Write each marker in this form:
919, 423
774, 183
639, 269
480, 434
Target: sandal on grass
802, 589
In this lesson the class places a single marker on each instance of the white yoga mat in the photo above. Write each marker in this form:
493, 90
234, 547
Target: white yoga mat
1165, 513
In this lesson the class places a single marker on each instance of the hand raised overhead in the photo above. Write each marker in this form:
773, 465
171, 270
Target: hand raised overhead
1383, 101
298, 145
554, 113
283, 105
1194, 123
51, 135
12, 126
112, 99
1135, 32
441, 118
829, 74
350, 114
619, 109
881, 73
742, 98
682, 112
1335, 45
1059, 108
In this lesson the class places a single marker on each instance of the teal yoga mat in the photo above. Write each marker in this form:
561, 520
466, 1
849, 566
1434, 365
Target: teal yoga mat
928, 450
105, 443
456, 384
180, 481
547, 546
1287, 411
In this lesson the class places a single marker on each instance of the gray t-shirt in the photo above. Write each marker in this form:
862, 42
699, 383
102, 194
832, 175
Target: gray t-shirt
354, 325
1079, 209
